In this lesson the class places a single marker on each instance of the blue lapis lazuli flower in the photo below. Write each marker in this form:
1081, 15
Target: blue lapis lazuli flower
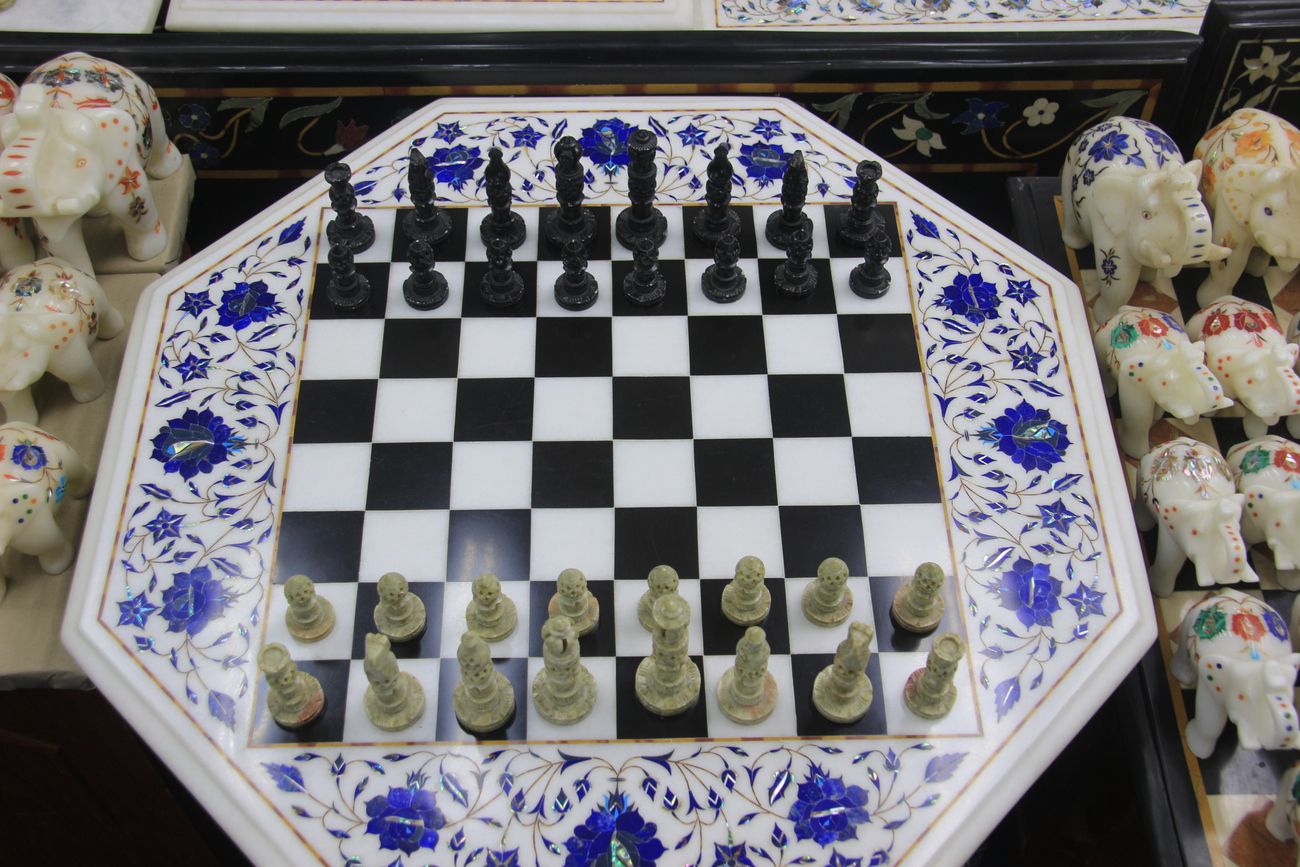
971, 297
448, 132
614, 834
692, 135
827, 811
195, 303
405, 819
605, 144
1057, 517
193, 367
28, 456
731, 856
204, 154
1020, 291
1161, 141
763, 162
1086, 601
924, 226
165, 525
194, 443
1109, 146
768, 129
1024, 358
980, 115
1276, 625
526, 137
839, 860
134, 610
193, 117
247, 304
1029, 590
195, 598
455, 166
502, 858
1029, 436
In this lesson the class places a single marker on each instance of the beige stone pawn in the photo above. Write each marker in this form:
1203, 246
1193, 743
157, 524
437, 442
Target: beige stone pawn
573, 600
483, 700
930, 692
842, 692
400, 613
310, 616
293, 697
490, 613
746, 599
564, 691
918, 605
662, 580
828, 601
668, 680
394, 700
747, 690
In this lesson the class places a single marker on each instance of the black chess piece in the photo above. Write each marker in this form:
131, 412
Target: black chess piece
349, 225
869, 279
862, 207
645, 285
641, 219
425, 289
718, 218
782, 225
572, 220
724, 281
502, 286
502, 223
576, 288
795, 278
347, 290
427, 222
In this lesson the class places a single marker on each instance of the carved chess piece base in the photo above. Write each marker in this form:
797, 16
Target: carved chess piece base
570, 711
513, 232
747, 714
303, 716
405, 716
582, 625
779, 233
679, 702
627, 230
868, 282
578, 297
926, 710
752, 615
358, 237
795, 287
408, 630
835, 709
433, 232
817, 615
559, 233
478, 720
708, 231
317, 630
425, 297
898, 610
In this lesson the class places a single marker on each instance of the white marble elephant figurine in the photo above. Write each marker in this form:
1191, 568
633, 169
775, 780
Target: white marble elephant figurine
85, 134
1185, 489
1236, 651
1267, 471
1246, 350
1145, 354
1293, 336
15, 241
1126, 190
1252, 187
36, 472
50, 314
1283, 819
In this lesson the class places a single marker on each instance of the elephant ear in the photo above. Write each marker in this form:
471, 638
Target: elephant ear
1238, 186
1114, 195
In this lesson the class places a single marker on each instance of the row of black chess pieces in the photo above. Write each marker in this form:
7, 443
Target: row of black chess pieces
641, 227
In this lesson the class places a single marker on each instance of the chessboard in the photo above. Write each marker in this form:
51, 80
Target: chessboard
264, 430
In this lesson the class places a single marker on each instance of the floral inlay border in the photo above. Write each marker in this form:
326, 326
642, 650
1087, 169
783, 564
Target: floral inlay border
830, 13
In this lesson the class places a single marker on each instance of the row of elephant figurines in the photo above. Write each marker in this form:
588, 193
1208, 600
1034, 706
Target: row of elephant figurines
1232, 352
1126, 190
82, 136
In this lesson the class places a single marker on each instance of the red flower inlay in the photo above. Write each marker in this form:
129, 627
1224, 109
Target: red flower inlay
1247, 626
1153, 326
129, 181
1217, 323
1287, 460
1249, 320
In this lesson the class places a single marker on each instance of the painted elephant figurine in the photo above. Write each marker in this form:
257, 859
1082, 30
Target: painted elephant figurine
1252, 187
1236, 651
1293, 336
15, 241
36, 472
1283, 819
1184, 488
1126, 190
50, 314
85, 134
1145, 354
1267, 471
1246, 350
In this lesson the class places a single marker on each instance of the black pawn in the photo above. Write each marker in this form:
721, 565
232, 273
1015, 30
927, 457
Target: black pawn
571, 221
723, 281
862, 207
718, 218
502, 223
575, 289
348, 291
869, 279
425, 289
502, 286
349, 226
427, 222
642, 219
795, 278
782, 225
645, 285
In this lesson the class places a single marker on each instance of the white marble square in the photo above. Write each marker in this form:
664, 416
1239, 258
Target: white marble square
651, 346
730, 407
550, 269
767, 251
887, 404
578, 538
630, 639
327, 477
474, 249
415, 410
343, 349
654, 473
698, 304
728, 533
395, 306
456, 597
903, 535
894, 671
781, 724
357, 727
573, 408
413, 543
815, 471
809, 637
336, 645
498, 347
602, 715
385, 223
803, 344
491, 475
895, 300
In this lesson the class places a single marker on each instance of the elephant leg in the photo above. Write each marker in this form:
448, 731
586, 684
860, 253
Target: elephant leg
80, 478
135, 210
164, 159
1289, 579
1203, 730
1118, 289
1293, 426
73, 365
41, 537
1254, 426
1071, 230
1181, 665
1142, 515
1278, 820
111, 322
71, 248
19, 406
1168, 561
1257, 262
15, 246
1137, 412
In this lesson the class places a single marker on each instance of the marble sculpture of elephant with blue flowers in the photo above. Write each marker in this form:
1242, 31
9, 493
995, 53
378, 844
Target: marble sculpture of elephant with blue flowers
1236, 651
1267, 472
1251, 184
1186, 490
1145, 354
50, 314
36, 472
85, 134
1126, 190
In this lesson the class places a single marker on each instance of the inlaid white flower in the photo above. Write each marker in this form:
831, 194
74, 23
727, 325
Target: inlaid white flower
926, 139
1041, 112
1267, 65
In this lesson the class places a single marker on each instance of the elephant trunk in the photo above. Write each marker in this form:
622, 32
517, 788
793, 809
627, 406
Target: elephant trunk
1200, 249
1211, 536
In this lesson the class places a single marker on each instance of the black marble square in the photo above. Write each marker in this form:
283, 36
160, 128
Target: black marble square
515, 729
488, 540
327, 728
573, 475
574, 346
721, 635
325, 546
727, 345
636, 723
494, 410
598, 642
647, 537
804, 668
652, 407
896, 470
420, 349
879, 343
409, 476
808, 405
427, 645
376, 274
335, 411
735, 472
810, 534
